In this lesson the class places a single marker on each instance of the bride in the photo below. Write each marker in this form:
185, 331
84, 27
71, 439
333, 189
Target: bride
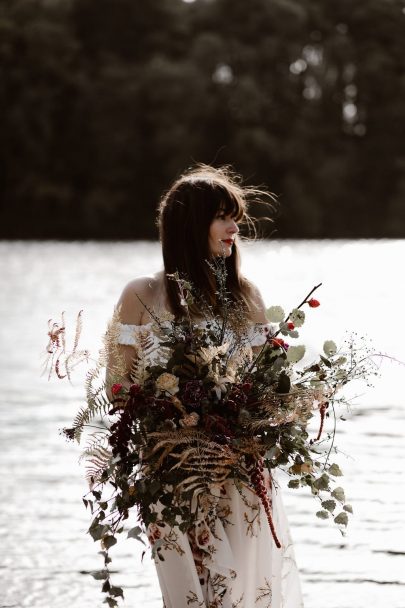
229, 558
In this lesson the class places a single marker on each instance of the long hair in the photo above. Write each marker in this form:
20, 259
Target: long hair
184, 218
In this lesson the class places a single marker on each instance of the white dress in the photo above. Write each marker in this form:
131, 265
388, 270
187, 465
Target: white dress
229, 559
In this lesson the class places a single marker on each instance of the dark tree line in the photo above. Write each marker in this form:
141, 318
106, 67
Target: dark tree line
104, 102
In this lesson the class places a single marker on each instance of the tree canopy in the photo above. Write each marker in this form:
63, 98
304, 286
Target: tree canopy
103, 103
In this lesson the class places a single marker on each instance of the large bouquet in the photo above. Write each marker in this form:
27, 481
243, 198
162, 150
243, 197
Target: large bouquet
203, 407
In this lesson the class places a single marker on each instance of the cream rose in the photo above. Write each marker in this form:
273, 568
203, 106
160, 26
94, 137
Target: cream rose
167, 383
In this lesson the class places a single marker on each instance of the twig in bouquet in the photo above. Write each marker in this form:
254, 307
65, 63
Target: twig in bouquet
150, 311
218, 267
333, 436
260, 354
185, 290
305, 300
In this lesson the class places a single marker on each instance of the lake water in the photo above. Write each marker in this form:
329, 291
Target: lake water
45, 555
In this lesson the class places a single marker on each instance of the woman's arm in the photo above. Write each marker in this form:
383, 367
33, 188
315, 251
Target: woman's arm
130, 311
258, 307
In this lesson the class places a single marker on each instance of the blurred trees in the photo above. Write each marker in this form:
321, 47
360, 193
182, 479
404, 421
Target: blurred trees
103, 103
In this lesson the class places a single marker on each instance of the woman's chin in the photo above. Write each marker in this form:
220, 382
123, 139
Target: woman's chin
224, 254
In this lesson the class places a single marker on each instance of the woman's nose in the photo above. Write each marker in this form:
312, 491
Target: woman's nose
233, 227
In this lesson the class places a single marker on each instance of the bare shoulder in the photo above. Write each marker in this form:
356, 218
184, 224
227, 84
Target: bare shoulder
137, 294
257, 305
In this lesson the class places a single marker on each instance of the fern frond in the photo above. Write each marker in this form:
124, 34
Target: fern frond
97, 454
78, 331
110, 355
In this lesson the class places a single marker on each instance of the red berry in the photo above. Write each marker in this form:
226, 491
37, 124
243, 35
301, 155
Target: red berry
290, 325
313, 303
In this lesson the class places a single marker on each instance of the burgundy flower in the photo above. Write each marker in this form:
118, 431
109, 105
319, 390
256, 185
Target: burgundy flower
213, 423
134, 389
247, 387
193, 393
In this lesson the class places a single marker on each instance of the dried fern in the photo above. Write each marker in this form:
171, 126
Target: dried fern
97, 402
97, 455
58, 361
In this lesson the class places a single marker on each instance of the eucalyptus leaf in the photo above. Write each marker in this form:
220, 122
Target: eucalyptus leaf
135, 532
326, 361
295, 353
329, 505
294, 483
341, 374
297, 316
339, 494
342, 519
341, 361
100, 575
329, 348
275, 314
97, 531
106, 586
109, 541
322, 483
348, 508
335, 470
116, 591
322, 514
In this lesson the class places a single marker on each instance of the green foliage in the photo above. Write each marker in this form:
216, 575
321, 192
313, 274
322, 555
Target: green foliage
329, 348
297, 316
339, 494
322, 514
275, 314
334, 470
295, 353
104, 103
341, 519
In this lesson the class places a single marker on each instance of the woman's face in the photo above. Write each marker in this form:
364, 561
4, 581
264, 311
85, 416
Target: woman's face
221, 235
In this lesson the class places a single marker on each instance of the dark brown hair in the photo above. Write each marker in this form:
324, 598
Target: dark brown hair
185, 215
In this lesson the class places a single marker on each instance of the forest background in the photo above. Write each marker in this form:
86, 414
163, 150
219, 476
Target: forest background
104, 102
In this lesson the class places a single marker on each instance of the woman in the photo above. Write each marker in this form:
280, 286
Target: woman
229, 558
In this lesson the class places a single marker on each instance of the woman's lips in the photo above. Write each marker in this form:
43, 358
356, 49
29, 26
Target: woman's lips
229, 241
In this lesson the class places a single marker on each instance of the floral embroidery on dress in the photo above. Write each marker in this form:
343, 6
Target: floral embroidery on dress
265, 593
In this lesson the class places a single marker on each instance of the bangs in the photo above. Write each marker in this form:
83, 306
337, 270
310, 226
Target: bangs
231, 205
